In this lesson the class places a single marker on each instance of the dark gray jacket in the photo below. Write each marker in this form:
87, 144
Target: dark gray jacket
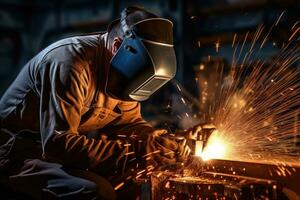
59, 96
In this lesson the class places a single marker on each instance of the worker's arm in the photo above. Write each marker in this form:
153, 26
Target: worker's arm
64, 87
131, 124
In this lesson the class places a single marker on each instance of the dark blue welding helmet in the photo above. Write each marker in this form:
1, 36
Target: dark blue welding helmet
145, 60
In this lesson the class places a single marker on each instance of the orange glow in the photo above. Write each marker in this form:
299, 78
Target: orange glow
198, 148
216, 148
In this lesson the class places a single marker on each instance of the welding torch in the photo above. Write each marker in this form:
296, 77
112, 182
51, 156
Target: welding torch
203, 136
198, 137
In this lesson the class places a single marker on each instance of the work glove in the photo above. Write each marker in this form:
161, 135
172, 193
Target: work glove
164, 149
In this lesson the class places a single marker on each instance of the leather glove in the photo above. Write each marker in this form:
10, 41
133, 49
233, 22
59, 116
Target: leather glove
164, 149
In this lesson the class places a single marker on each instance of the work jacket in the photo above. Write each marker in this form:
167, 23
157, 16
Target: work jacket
59, 97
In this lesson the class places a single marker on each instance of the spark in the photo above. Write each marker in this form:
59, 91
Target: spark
234, 40
119, 186
257, 112
138, 176
129, 153
217, 45
167, 185
150, 167
178, 87
122, 136
149, 173
294, 33
271, 29
159, 174
295, 24
279, 18
140, 172
268, 130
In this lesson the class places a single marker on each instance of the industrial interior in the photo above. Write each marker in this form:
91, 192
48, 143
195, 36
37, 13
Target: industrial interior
238, 68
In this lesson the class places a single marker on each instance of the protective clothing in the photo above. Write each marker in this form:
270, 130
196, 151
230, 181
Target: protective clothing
57, 99
45, 180
60, 95
150, 42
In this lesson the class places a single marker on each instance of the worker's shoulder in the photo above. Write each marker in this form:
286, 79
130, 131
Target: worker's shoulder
72, 48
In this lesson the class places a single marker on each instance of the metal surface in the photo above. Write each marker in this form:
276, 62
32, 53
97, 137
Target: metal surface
220, 179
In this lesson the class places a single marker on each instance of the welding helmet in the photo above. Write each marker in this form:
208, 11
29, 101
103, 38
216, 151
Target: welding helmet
145, 60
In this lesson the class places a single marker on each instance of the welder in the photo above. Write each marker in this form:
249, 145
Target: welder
82, 85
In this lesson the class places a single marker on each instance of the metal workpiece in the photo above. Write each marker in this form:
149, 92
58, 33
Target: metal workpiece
221, 179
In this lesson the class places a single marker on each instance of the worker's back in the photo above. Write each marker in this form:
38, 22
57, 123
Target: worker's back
20, 104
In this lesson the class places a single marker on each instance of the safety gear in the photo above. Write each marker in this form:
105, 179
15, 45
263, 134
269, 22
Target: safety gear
58, 98
164, 149
145, 60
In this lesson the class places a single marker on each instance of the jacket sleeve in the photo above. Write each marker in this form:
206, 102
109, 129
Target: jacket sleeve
130, 122
63, 90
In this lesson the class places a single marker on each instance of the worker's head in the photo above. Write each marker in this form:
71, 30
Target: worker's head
143, 55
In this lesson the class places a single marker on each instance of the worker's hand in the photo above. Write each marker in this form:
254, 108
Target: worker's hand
165, 150
183, 150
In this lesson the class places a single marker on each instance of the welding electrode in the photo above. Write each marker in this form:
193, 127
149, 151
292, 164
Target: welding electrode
204, 135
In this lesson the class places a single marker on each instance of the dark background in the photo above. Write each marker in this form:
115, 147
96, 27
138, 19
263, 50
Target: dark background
28, 26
